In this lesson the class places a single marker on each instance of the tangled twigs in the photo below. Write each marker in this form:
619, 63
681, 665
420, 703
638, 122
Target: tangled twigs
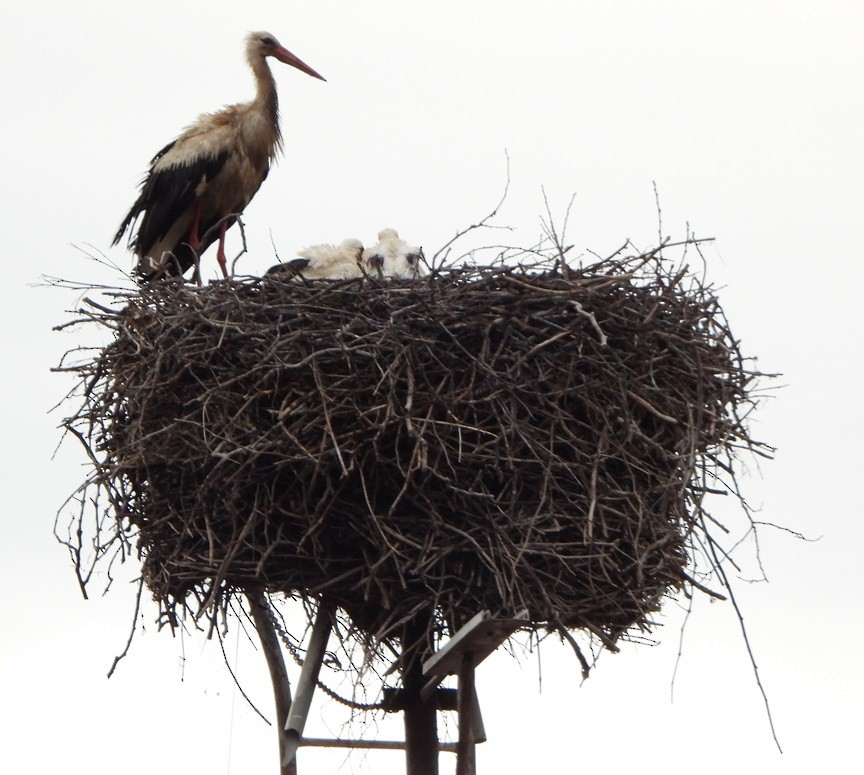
483, 438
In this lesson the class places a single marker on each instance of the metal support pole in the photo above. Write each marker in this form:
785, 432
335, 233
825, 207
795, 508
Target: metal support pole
259, 606
421, 723
373, 745
308, 680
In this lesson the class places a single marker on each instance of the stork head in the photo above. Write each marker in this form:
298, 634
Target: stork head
393, 257
353, 248
260, 45
414, 261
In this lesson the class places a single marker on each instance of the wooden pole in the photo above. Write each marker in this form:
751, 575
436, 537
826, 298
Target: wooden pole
421, 723
466, 763
259, 606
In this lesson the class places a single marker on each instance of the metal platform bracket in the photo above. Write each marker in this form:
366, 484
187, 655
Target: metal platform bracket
479, 636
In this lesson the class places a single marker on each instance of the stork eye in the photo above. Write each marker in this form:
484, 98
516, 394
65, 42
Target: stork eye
412, 258
268, 41
377, 260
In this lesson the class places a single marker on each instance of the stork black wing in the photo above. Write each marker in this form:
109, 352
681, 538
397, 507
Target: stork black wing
140, 203
290, 268
165, 195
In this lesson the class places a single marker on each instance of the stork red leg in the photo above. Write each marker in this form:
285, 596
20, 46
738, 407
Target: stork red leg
220, 252
194, 240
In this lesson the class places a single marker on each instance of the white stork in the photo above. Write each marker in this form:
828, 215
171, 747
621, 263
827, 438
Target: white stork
334, 262
393, 257
199, 184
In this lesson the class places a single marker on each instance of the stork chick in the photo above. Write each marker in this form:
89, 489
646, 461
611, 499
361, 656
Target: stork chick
393, 257
324, 261
198, 185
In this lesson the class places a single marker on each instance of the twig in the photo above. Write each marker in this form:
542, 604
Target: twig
132, 629
480, 224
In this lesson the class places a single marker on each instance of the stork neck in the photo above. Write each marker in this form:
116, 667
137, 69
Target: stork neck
266, 98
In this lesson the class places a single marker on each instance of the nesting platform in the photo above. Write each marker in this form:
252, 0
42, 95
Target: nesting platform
492, 439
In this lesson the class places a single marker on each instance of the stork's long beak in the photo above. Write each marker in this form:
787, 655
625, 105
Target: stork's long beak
284, 55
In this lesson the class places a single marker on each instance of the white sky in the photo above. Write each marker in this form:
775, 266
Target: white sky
749, 117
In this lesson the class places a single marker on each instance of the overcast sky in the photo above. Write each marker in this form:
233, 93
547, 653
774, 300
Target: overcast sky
749, 118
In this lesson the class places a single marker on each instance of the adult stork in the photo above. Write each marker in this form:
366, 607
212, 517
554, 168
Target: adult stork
199, 184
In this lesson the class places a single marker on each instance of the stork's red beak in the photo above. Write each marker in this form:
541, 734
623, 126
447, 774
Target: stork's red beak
284, 55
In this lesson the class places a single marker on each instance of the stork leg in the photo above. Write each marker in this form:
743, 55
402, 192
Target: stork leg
220, 252
194, 241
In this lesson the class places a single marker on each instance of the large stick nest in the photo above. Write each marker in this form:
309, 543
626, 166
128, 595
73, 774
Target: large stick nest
483, 438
